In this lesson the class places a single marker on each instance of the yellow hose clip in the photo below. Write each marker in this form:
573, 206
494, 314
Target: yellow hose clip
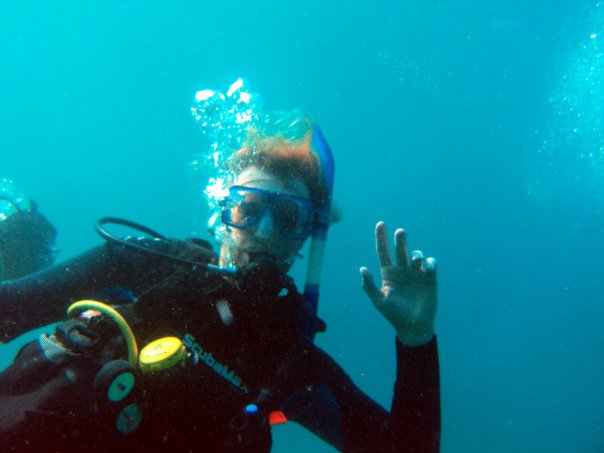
83, 305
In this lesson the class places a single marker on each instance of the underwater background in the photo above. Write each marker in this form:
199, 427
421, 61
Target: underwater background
477, 126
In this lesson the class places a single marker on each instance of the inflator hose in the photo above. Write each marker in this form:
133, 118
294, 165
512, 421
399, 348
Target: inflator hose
83, 305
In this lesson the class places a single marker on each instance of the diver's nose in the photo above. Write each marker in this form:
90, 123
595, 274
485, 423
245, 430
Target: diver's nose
266, 225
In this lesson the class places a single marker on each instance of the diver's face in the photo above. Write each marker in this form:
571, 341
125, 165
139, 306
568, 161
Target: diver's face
265, 236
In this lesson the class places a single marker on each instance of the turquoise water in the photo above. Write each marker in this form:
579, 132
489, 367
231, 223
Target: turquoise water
475, 125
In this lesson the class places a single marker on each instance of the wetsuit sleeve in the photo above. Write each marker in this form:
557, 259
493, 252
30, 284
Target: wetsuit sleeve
42, 298
339, 412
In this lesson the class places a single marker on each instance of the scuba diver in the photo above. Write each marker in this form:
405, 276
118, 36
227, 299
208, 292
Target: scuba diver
229, 338
27, 238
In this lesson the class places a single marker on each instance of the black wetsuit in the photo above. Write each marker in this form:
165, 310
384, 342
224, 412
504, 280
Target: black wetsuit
27, 241
254, 355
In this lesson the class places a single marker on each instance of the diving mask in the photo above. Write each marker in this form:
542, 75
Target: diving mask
244, 207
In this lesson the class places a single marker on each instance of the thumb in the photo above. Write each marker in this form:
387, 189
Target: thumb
369, 286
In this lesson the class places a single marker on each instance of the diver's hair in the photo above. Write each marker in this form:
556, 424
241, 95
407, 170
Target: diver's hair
284, 155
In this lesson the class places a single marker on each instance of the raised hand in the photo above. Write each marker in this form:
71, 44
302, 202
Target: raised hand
407, 297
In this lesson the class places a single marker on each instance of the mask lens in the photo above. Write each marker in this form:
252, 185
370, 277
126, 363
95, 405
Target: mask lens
291, 216
245, 208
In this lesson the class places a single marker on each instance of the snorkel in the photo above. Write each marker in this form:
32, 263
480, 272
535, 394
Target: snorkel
319, 234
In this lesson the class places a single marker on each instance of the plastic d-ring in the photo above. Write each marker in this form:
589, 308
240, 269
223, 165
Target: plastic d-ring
116, 394
121, 387
129, 419
114, 382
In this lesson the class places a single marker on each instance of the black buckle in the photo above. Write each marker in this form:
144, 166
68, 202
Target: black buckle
77, 336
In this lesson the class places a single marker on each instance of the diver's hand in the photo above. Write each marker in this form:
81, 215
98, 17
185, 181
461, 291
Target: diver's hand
407, 298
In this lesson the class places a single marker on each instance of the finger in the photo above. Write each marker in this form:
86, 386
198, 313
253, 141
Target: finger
430, 264
369, 286
400, 247
430, 267
381, 245
417, 260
